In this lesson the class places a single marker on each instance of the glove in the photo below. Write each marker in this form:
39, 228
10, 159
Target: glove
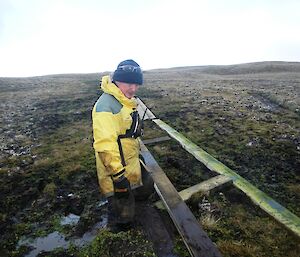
122, 188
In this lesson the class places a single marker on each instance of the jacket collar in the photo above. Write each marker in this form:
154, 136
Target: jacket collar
110, 88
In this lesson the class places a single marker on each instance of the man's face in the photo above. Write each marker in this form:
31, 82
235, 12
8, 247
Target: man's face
128, 90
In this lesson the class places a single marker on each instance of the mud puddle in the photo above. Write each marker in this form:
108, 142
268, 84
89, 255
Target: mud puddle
71, 219
56, 239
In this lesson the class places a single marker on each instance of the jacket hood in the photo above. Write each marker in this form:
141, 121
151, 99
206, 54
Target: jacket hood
110, 88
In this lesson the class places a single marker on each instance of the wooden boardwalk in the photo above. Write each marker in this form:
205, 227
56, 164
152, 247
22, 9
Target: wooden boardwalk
194, 237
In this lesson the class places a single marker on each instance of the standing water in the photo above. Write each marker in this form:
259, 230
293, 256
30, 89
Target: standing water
56, 239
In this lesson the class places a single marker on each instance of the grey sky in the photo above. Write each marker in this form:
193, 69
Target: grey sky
39, 37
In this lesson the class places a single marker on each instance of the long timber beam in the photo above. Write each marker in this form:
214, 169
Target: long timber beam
265, 202
194, 237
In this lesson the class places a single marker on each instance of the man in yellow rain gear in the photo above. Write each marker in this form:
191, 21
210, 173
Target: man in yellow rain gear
116, 127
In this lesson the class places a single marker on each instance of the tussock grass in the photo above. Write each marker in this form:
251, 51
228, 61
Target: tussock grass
66, 153
244, 230
238, 248
209, 221
247, 116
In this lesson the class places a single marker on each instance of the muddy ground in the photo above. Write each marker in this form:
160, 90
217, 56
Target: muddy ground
247, 116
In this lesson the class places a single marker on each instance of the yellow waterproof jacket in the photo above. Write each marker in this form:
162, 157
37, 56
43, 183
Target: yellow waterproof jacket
112, 117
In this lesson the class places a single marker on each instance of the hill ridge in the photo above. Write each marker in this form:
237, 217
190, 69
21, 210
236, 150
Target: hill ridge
230, 69
242, 68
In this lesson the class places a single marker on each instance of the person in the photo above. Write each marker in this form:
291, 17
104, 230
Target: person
116, 127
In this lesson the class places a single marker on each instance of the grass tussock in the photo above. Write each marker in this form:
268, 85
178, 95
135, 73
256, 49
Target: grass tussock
238, 248
244, 230
247, 116
209, 221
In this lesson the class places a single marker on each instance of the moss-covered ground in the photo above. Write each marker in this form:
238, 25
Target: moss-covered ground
249, 120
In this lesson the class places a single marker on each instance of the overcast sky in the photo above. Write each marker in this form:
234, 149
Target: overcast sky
39, 37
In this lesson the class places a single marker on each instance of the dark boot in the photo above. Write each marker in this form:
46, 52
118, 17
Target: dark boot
121, 213
111, 214
142, 193
125, 209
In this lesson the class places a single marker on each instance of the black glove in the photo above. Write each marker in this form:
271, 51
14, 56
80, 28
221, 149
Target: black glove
122, 188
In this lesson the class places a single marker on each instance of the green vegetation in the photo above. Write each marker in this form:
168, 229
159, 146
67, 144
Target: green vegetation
241, 229
109, 244
245, 116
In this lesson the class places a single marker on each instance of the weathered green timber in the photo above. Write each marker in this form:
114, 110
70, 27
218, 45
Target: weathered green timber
156, 140
273, 208
204, 187
143, 110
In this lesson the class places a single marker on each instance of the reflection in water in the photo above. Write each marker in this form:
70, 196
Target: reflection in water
55, 239
71, 219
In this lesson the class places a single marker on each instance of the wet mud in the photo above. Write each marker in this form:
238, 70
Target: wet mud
248, 120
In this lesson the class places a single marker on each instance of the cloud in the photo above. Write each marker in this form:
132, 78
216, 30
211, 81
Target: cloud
43, 37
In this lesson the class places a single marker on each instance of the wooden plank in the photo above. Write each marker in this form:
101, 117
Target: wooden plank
156, 140
155, 229
269, 205
204, 186
143, 110
195, 239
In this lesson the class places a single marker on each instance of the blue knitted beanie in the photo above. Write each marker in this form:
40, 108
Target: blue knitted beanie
129, 72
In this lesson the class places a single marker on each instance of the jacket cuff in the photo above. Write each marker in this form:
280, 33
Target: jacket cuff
118, 176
